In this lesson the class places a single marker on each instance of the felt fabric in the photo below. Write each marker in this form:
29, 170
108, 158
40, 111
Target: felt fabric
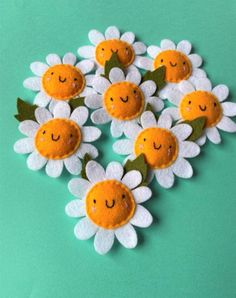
157, 75
138, 164
25, 110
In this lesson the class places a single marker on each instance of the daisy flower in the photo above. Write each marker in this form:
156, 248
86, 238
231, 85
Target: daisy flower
164, 147
122, 99
103, 47
59, 80
180, 64
57, 139
109, 203
198, 100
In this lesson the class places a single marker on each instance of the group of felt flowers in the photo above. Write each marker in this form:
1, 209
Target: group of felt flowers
165, 115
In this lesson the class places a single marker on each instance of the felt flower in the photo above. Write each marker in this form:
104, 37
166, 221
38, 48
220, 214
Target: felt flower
179, 62
200, 100
109, 203
59, 80
164, 147
121, 100
57, 139
104, 45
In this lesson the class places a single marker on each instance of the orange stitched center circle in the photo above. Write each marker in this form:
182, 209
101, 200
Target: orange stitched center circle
63, 81
178, 65
105, 49
158, 145
201, 103
58, 138
110, 204
123, 100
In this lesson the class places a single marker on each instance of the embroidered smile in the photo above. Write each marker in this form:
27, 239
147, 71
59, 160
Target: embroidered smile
202, 108
156, 147
61, 80
55, 139
110, 206
173, 64
124, 99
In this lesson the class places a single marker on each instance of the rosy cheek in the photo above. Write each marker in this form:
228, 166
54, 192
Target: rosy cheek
141, 146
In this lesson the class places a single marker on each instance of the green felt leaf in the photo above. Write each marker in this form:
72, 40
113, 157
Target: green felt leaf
111, 63
157, 75
85, 160
198, 126
138, 164
76, 102
25, 110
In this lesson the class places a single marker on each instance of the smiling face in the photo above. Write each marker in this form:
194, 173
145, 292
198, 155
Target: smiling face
110, 204
58, 138
201, 103
105, 49
178, 66
158, 145
124, 101
63, 81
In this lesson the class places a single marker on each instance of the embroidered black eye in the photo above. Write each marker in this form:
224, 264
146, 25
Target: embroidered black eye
144, 139
135, 91
75, 79
94, 201
215, 104
123, 196
111, 99
71, 135
52, 73
103, 49
184, 63
44, 132
189, 102
170, 147
162, 60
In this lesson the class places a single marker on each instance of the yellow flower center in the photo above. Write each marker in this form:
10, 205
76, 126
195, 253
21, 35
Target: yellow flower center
124, 101
58, 138
158, 145
105, 49
110, 204
178, 66
63, 81
201, 103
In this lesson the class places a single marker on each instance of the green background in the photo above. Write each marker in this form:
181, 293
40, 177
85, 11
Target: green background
190, 250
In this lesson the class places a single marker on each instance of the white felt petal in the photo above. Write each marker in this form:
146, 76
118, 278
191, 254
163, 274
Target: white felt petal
144, 63
182, 131
95, 172
28, 127
61, 110
87, 91
33, 83
148, 119
195, 59
42, 99
202, 140
89, 79
116, 75
123, 147
53, 59
79, 187
188, 149
73, 165
174, 96
117, 128
127, 236
85, 229
24, 146
213, 135
132, 130
142, 194
142, 217
86, 51
203, 84
173, 112
167, 44
156, 103
38, 68
90, 133
52, 105
139, 48
100, 84
35, 161
132, 179
153, 51
42, 115
182, 168
227, 124
87, 148
186, 87
148, 88
221, 92
199, 73
114, 170
85, 66
80, 115
229, 108
93, 101
103, 240
164, 121
112, 32
75, 208
128, 37
184, 46
95, 37
54, 168
134, 76
69, 58
100, 116
165, 177
163, 93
